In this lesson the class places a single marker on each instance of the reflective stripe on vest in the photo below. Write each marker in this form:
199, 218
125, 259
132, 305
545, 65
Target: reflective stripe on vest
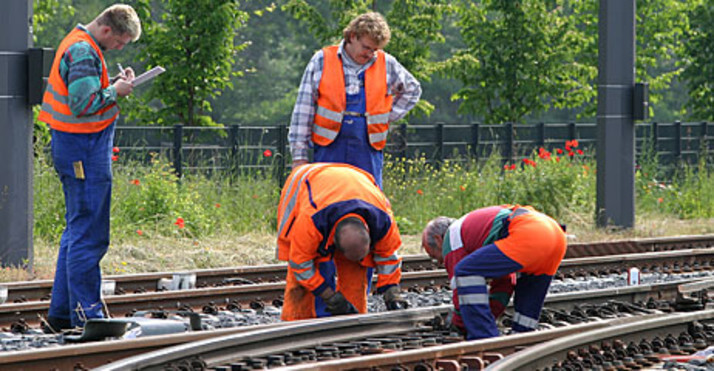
55, 103
331, 101
301, 172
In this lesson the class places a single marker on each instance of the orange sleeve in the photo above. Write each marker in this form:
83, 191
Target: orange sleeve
388, 264
304, 241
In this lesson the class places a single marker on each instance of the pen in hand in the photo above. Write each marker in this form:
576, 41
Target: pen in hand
121, 70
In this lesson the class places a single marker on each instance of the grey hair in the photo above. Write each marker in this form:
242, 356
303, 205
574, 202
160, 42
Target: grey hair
437, 227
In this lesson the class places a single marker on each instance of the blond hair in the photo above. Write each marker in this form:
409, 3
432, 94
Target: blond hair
371, 24
122, 19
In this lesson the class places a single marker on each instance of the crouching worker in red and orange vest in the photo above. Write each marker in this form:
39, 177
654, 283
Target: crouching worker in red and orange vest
334, 225
493, 243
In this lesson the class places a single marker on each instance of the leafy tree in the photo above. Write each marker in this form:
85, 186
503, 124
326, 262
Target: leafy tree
414, 25
518, 59
699, 54
272, 64
45, 15
195, 41
660, 27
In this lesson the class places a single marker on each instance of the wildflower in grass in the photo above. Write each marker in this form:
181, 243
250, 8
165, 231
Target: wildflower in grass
180, 223
255, 197
218, 205
115, 157
559, 151
571, 153
267, 153
543, 153
529, 162
462, 187
420, 192
580, 152
135, 182
659, 200
115, 149
124, 263
139, 232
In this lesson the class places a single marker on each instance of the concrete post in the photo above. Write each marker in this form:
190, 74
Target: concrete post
615, 122
16, 219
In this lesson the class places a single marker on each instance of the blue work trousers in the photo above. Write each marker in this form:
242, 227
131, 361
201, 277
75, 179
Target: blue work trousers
352, 143
76, 294
470, 275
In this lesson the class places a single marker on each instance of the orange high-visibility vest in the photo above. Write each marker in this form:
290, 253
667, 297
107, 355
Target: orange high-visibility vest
312, 188
331, 101
55, 103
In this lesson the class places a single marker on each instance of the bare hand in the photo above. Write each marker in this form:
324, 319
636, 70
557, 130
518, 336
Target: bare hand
123, 87
129, 74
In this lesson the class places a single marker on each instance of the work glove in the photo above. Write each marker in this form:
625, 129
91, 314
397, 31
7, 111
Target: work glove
337, 305
393, 299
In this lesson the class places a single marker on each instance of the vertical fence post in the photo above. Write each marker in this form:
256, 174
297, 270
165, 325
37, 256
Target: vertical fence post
178, 150
572, 131
541, 134
233, 134
678, 141
704, 141
508, 154
475, 139
282, 147
655, 138
440, 142
404, 142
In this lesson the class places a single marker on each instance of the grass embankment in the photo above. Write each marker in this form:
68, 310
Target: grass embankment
159, 224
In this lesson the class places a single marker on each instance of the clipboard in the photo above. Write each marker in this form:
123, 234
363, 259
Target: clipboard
148, 75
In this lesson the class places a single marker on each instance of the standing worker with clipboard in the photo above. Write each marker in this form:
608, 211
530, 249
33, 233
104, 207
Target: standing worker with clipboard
80, 106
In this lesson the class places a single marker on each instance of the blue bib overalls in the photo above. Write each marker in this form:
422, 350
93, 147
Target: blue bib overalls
352, 143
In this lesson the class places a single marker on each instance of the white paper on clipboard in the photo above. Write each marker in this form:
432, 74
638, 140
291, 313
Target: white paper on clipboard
148, 75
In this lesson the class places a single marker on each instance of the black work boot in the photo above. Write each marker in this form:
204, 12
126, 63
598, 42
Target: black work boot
54, 325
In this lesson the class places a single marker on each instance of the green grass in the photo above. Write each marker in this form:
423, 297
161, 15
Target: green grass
228, 221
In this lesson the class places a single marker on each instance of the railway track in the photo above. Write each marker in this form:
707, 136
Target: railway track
262, 341
248, 285
405, 340
150, 282
250, 295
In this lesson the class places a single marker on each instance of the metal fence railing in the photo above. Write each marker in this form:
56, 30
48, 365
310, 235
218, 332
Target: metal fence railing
239, 148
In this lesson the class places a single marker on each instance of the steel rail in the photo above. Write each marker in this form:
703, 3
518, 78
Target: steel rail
98, 354
120, 305
40, 289
542, 355
297, 335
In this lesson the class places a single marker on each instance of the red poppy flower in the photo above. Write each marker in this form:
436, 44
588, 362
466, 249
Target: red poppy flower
571, 153
513, 167
139, 232
420, 192
580, 152
135, 182
267, 153
463, 188
218, 205
115, 157
179, 222
560, 151
115, 149
659, 200
574, 143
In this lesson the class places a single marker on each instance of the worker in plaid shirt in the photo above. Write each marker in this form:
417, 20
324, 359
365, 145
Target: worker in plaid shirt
349, 94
